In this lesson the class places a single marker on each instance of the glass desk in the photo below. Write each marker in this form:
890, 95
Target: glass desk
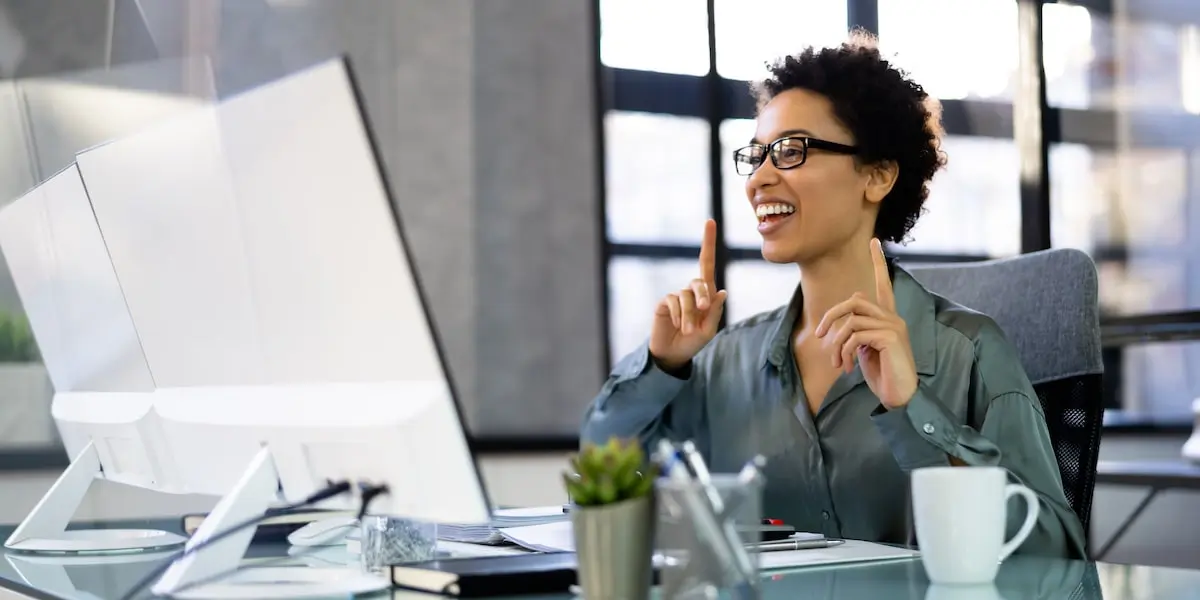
1020, 578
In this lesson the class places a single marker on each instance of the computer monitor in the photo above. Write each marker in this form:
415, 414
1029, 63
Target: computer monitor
103, 396
262, 229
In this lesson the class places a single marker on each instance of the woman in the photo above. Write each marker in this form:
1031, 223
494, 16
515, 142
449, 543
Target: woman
865, 375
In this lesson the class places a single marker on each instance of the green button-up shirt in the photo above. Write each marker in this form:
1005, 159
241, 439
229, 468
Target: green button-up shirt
844, 471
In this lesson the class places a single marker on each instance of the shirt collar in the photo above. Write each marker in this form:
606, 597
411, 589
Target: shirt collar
914, 303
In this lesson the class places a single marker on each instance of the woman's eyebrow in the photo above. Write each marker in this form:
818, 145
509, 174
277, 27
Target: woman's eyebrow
785, 133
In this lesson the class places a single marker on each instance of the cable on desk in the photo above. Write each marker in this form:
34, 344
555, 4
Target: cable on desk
369, 493
334, 489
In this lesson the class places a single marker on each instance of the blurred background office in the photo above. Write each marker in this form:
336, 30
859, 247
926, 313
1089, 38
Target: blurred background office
553, 161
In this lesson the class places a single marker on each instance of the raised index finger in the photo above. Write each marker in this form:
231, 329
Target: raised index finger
708, 256
883, 283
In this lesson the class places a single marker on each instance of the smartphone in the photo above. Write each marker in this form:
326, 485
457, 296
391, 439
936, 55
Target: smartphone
765, 533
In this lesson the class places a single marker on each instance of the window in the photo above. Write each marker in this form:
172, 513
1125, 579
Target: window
656, 169
1068, 55
637, 284
974, 204
1129, 210
741, 226
922, 36
668, 36
1092, 63
1159, 380
756, 286
1123, 182
750, 34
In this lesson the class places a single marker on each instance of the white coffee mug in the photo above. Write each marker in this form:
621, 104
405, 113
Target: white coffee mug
961, 516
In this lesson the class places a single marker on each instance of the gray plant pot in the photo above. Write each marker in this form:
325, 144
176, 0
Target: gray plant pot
614, 546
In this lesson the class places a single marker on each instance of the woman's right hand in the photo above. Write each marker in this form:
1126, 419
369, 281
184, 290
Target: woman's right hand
685, 321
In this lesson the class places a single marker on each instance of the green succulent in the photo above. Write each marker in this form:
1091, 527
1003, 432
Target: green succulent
609, 473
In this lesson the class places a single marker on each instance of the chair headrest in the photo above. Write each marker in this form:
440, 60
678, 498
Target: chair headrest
1046, 302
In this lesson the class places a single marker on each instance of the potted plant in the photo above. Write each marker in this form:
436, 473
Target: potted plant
611, 488
16, 340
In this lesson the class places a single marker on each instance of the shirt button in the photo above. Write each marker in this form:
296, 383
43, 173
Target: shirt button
825, 515
928, 428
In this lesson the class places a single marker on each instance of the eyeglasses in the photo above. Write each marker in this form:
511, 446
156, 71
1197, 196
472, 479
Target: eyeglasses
786, 153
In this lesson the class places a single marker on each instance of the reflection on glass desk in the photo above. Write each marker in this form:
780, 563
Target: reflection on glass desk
1020, 578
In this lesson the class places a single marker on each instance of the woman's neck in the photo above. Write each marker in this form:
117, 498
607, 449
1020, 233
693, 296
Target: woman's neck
833, 278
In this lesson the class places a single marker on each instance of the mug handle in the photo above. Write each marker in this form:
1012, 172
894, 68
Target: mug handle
1031, 515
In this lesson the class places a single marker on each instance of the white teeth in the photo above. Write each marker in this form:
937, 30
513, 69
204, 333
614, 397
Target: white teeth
773, 209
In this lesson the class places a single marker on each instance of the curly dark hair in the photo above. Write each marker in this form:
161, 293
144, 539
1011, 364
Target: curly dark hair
890, 116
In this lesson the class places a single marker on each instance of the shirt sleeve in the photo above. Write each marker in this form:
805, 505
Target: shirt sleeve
641, 400
1013, 436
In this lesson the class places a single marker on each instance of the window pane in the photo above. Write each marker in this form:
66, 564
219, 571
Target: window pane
635, 287
758, 286
1091, 63
746, 40
1157, 380
669, 36
1130, 210
1068, 55
741, 226
974, 204
905, 34
656, 169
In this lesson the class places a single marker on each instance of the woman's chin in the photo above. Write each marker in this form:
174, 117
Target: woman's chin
775, 252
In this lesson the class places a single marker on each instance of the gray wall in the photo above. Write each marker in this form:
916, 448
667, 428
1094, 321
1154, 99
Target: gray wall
484, 115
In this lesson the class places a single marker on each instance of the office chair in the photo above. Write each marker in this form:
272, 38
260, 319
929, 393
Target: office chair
1048, 306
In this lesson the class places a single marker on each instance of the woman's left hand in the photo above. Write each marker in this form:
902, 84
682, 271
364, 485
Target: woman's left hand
874, 332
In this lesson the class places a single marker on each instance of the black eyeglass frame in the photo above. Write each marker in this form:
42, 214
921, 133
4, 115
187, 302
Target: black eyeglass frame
772, 149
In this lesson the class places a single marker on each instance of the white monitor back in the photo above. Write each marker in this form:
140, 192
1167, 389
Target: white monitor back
165, 201
266, 274
76, 310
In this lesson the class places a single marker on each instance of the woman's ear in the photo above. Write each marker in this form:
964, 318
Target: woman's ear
881, 177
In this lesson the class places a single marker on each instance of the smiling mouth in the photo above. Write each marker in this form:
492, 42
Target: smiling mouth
771, 212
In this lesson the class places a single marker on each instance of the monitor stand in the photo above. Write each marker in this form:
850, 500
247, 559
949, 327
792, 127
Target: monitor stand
214, 572
45, 527
49, 573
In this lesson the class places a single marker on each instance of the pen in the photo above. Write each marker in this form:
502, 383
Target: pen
730, 554
701, 475
794, 545
751, 473
700, 471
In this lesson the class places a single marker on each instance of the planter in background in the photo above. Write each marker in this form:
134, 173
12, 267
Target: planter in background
614, 546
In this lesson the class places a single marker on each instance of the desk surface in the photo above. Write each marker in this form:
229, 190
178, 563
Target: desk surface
1164, 473
1024, 578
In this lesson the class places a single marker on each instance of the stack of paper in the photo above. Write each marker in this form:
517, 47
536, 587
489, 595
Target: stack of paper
557, 537
502, 519
850, 552
543, 537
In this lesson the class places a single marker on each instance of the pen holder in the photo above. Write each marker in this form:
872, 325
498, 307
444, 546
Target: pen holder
701, 552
